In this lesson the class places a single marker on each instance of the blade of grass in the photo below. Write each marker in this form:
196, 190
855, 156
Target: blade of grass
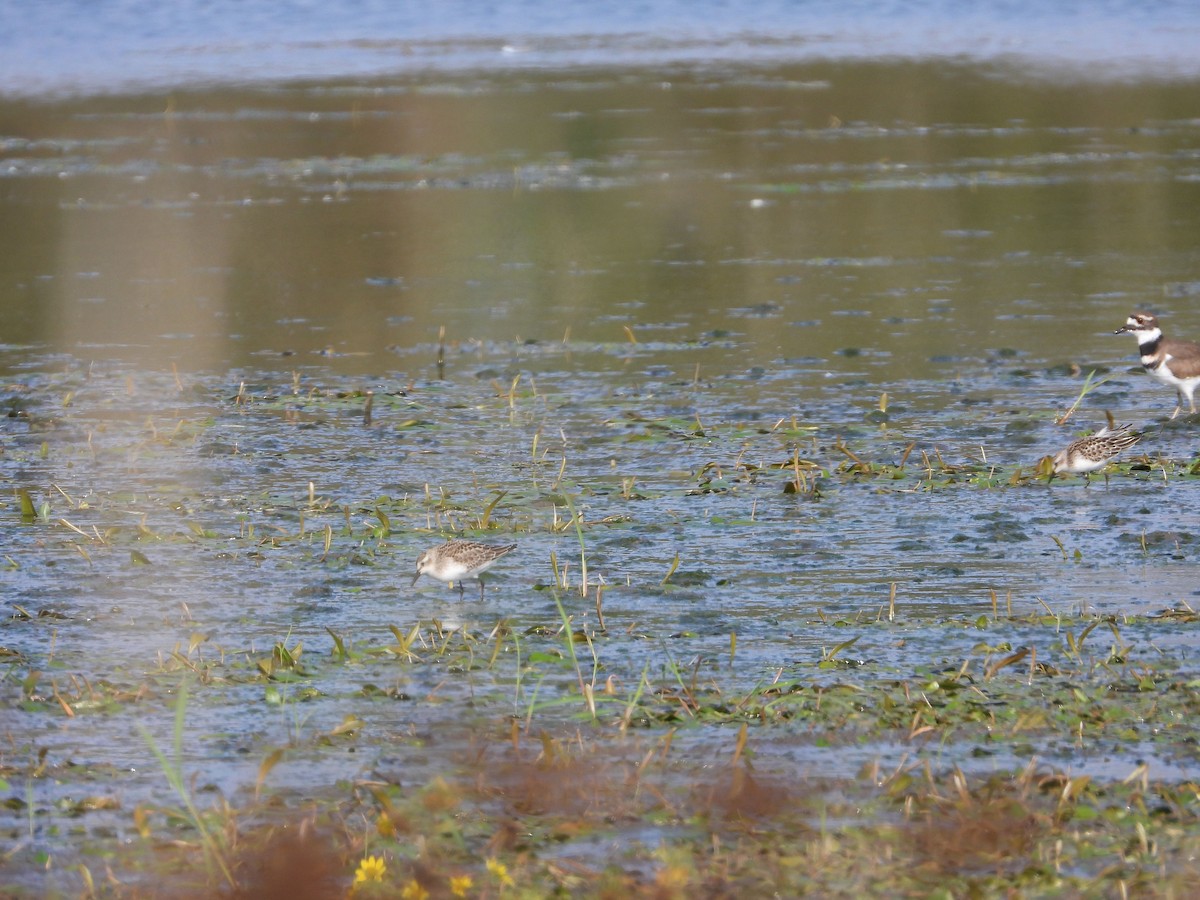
173, 771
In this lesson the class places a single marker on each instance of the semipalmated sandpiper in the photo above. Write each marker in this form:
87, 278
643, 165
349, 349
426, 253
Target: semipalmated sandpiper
458, 560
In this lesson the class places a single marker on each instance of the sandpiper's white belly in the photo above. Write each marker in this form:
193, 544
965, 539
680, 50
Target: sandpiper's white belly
450, 569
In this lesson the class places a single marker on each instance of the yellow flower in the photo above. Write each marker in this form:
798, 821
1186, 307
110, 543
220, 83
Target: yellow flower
372, 868
414, 891
460, 884
500, 870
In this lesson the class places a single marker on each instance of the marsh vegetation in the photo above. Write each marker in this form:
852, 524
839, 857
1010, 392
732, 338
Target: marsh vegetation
758, 368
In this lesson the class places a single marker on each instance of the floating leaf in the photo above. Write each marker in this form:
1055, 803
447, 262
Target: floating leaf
995, 667
350, 724
339, 647
832, 654
671, 571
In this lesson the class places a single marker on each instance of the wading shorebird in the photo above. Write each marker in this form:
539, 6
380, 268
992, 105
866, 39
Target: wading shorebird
458, 560
1172, 362
1086, 455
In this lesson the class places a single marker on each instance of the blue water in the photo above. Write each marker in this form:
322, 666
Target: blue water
75, 46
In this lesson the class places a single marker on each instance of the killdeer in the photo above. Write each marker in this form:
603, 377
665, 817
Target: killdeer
458, 560
1172, 362
1095, 451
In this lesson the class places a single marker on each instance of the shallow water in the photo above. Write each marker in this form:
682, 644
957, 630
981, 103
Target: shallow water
77, 47
660, 287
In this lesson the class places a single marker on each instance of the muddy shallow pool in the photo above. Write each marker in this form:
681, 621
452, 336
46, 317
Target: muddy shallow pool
755, 365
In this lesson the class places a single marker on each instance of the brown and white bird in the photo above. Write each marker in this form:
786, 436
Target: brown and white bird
1095, 451
1172, 362
458, 560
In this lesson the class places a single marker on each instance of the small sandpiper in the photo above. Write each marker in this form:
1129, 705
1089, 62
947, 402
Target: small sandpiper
459, 560
1095, 451
1172, 362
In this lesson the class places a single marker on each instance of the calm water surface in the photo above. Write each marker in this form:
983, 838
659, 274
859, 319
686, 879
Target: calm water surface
660, 285
88, 48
